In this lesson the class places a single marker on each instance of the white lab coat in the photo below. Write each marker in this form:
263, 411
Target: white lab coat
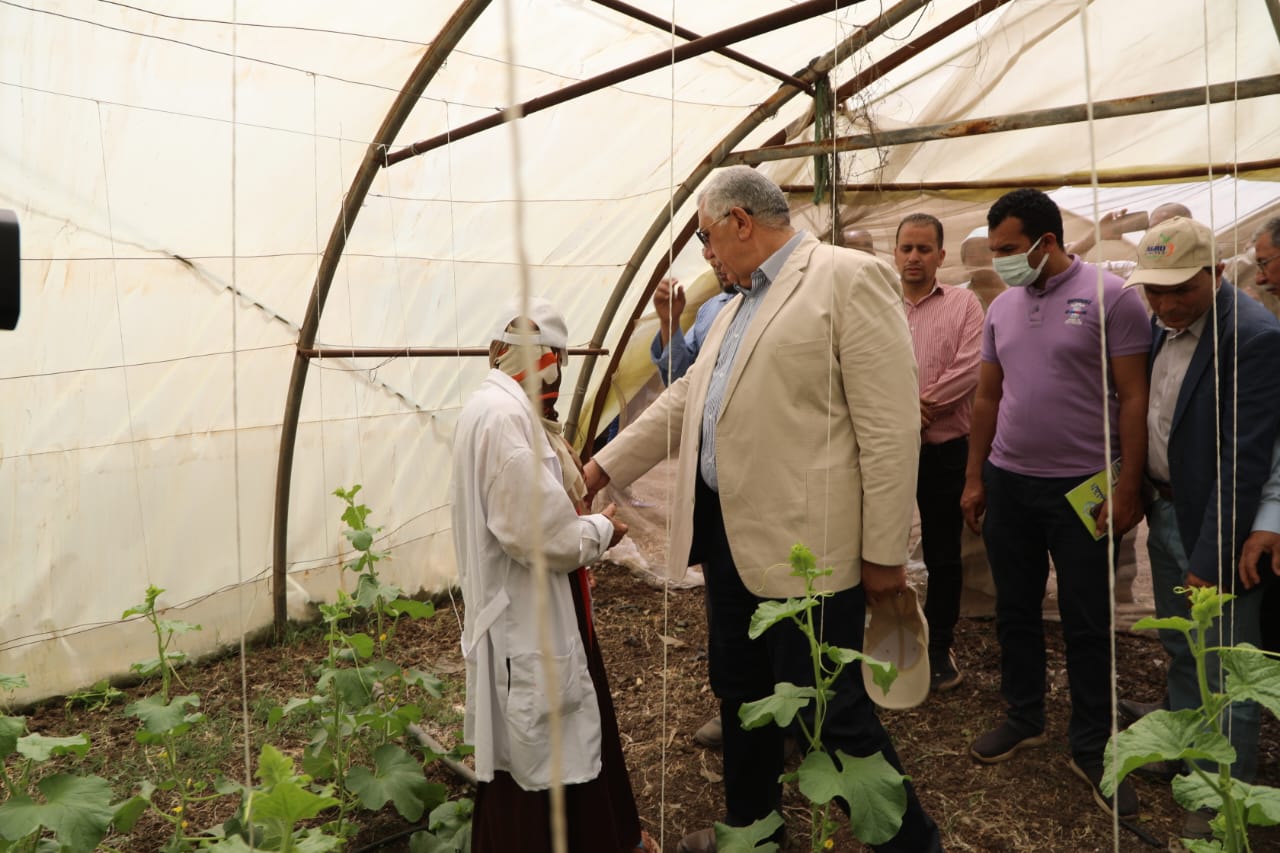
503, 468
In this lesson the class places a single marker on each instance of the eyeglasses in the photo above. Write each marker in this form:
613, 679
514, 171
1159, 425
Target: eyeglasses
1262, 262
704, 234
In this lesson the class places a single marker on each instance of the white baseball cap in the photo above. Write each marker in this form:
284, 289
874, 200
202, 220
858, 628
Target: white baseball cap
898, 634
552, 330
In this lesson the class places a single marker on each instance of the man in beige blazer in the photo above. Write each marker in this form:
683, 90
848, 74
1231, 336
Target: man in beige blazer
802, 427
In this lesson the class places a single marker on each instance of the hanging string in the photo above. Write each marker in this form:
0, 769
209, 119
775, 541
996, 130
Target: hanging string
550, 668
453, 285
124, 360
1112, 540
235, 410
672, 322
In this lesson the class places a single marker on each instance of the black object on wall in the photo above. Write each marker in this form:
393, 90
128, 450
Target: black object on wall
10, 289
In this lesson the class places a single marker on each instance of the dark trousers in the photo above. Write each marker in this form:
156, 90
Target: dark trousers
743, 670
1028, 519
938, 488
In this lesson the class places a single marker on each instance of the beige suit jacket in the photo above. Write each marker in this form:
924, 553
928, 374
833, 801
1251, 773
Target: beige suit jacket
818, 438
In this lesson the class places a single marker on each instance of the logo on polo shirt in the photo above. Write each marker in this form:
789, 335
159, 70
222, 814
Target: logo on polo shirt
1076, 309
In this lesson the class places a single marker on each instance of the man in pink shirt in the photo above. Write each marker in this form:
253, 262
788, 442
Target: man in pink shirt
946, 335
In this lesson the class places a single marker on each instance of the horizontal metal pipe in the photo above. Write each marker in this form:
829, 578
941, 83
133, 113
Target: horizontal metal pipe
1255, 87
417, 352
706, 44
685, 33
1072, 179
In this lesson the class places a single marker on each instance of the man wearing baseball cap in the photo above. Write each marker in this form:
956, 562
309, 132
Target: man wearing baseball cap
1209, 441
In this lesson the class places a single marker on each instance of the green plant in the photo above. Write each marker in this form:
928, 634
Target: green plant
364, 700
1195, 735
77, 811
870, 786
269, 813
165, 721
96, 698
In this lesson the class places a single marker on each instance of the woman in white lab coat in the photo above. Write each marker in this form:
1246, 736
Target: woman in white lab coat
518, 491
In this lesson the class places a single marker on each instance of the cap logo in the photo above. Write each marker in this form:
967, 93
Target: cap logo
1164, 247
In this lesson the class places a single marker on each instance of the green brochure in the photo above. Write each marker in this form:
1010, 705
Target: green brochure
1086, 499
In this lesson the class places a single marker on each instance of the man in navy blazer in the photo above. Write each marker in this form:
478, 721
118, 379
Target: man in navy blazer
1214, 411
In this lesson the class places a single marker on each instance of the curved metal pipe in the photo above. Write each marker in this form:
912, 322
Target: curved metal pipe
719, 153
860, 81
432, 60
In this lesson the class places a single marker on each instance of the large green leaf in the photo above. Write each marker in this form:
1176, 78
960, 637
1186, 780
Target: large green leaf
41, 747
274, 767
780, 708
1251, 674
426, 681
449, 828
1164, 736
126, 814
361, 643
11, 728
1170, 623
770, 613
178, 626
10, 681
748, 839
285, 805
354, 686
873, 790
77, 809
159, 718
412, 609
361, 540
1261, 802
397, 777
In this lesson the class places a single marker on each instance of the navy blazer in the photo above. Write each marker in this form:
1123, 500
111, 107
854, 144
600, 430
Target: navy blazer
1248, 354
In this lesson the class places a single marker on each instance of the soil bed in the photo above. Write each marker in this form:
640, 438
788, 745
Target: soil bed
654, 646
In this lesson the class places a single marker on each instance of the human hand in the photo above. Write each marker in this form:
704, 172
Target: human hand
1260, 542
926, 412
1127, 512
880, 581
1110, 225
973, 503
1194, 580
619, 527
668, 300
595, 479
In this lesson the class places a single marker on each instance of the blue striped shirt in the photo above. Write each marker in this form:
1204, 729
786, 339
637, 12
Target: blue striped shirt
751, 300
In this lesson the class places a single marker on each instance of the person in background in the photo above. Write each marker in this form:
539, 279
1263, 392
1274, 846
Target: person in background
674, 353
519, 495
1037, 433
984, 281
1266, 249
672, 350
946, 337
800, 422
859, 239
1205, 501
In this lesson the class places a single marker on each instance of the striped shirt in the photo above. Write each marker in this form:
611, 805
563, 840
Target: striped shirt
946, 335
752, 298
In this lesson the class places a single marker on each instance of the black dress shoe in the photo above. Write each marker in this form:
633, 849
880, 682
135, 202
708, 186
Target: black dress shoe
1130, 711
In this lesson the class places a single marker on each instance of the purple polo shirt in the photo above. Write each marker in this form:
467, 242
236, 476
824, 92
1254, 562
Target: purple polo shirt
1047, 344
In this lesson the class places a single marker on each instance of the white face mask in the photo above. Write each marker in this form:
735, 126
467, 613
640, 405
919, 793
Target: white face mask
1016, 270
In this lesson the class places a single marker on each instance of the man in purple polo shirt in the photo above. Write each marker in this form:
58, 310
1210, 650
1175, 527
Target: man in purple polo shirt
1037, 432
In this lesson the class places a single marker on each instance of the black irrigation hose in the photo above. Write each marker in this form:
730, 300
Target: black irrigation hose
396, 836
1142, 833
